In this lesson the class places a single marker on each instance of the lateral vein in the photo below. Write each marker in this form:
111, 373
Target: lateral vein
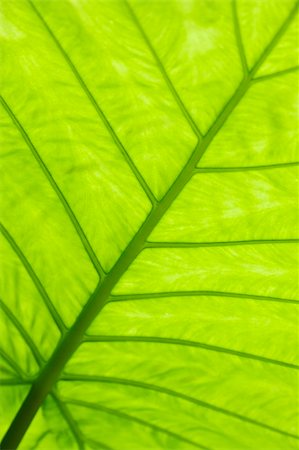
26, 337
34, 278
238, 36
162, 69
66, 414
99, 444
89, 250
10, 361
73, 338
153, 295
172, 393
98, 109
278, 74
156, 245
125, 416
245, 168
188, 343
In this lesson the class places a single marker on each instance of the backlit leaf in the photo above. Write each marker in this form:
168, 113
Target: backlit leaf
149, 219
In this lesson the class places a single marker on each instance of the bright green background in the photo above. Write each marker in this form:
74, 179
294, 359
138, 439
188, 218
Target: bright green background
200, 340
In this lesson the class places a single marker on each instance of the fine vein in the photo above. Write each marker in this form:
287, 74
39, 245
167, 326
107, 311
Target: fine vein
96, 263
73, 338
41, 438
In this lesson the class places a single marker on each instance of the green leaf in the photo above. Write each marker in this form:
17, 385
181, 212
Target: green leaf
149, 224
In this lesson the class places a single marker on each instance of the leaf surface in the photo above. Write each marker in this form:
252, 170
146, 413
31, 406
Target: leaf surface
149, 210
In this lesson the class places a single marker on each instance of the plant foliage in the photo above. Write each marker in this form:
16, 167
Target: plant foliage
149, 224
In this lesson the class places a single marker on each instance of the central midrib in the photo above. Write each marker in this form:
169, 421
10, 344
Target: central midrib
73, 338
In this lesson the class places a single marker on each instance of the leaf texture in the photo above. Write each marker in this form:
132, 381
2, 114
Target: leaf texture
149, 225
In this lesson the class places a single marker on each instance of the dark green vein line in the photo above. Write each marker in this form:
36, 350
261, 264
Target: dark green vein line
40, 439
73, 338
15, 382
97, 108
188, 343
243, 169
172, 393
35, 280
96, 263
275, 40
238, 36
162, 69
154, 295
98, 444
218, 244
128, 417
69, 420
26, 337
11, 363
281, 73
